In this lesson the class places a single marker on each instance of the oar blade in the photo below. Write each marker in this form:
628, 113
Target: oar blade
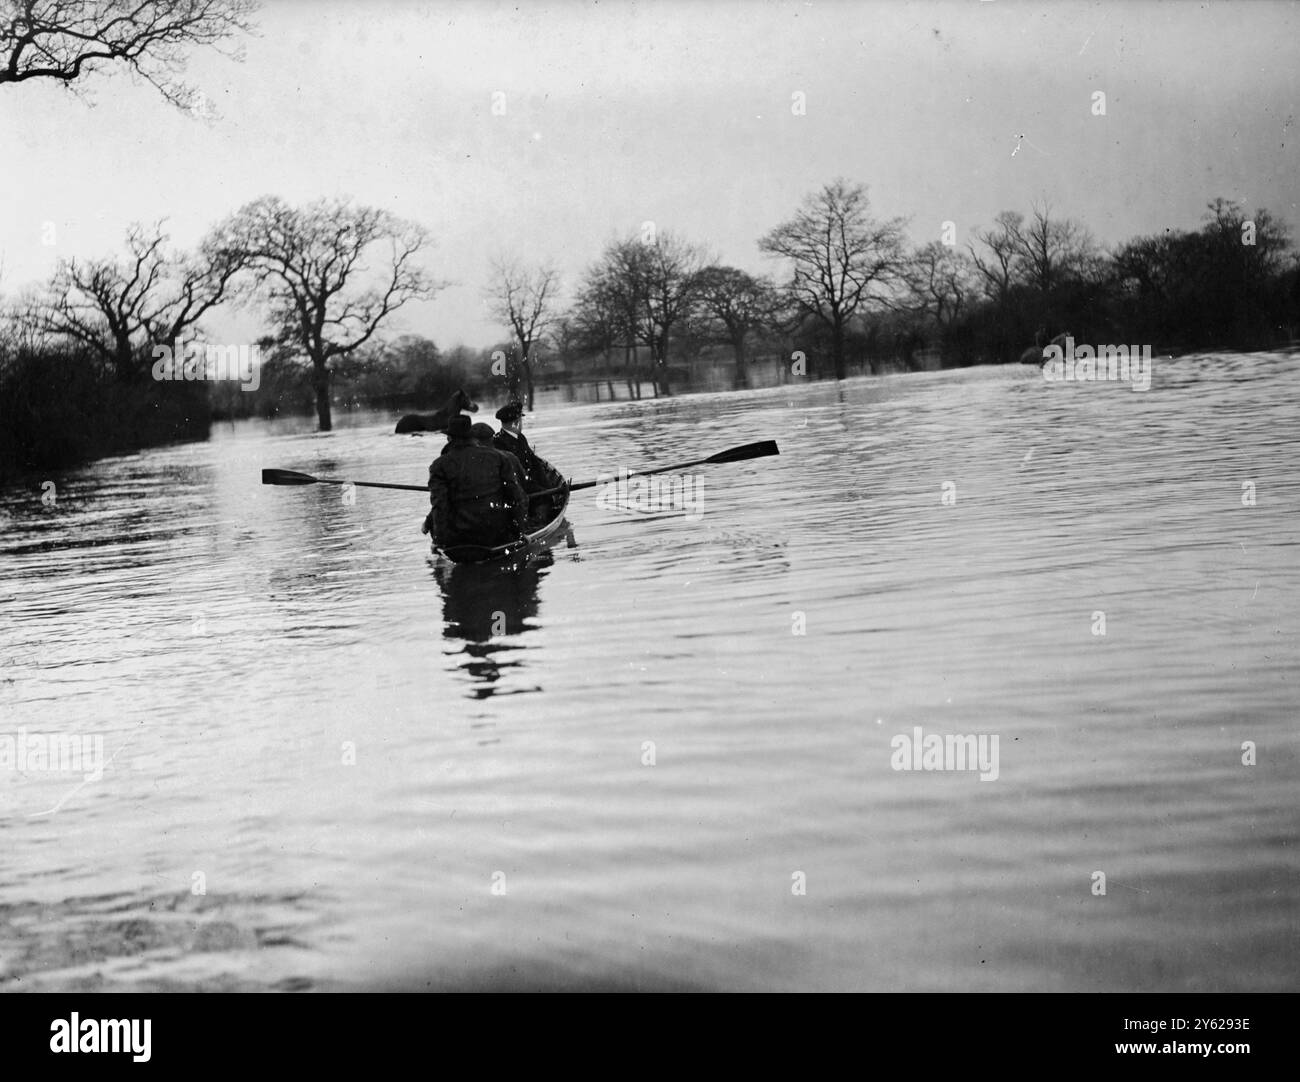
737, 454
751, 450
286, 477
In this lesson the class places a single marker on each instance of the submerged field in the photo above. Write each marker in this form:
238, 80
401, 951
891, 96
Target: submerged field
664, 759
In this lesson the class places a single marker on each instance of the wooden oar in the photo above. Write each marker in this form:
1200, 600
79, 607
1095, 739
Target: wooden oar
289, 477
736, 454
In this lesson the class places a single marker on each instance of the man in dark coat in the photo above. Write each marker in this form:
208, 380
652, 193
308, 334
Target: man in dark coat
475, 493
538, 473
484, 436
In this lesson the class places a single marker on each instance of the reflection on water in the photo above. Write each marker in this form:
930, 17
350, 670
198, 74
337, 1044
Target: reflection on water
489, 607
333, 766
486, 608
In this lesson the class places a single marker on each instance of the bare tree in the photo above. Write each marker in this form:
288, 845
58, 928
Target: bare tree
565, 335
66, 39
940, 282
635, 295
566, 339
1150, 266
1253, 262
998, 267
669, 269
597, 320
116, 307
309, 265
524, 299
622, 290
738, 303
1054, 250
843, 258
610, 307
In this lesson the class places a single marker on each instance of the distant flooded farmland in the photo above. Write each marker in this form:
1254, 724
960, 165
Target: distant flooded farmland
684, 751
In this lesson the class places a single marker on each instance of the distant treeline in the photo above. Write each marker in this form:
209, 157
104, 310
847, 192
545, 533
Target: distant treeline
858, 298
1232, 284
59, 408
79, 368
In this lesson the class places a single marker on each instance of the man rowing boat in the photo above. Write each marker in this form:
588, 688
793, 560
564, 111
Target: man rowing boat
538, 474
475, 493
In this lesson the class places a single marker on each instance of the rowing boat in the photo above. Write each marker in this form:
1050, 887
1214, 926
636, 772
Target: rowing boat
530, 544
543, 533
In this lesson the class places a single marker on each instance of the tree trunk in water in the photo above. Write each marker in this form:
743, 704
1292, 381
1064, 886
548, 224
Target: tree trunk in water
742, 379
320, 380
837, 348
513, 379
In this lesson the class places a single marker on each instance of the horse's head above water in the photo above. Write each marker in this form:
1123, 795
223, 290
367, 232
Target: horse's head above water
461, 401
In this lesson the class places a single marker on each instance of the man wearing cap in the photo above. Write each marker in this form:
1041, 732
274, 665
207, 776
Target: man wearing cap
538, 474
474, 491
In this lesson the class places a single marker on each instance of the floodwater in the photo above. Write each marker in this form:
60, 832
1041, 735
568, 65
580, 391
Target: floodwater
665, 759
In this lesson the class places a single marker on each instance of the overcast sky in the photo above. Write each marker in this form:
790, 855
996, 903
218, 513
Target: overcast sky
675, 112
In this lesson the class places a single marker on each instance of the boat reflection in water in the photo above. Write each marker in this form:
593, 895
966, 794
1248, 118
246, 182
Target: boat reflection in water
488, 608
